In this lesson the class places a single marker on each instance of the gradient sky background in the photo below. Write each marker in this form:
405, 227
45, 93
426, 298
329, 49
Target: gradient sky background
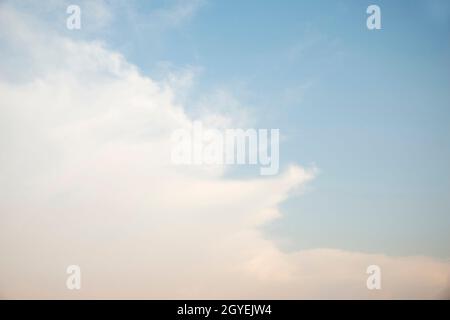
369, 108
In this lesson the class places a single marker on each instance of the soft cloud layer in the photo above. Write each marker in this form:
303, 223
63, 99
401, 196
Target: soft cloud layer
86, 180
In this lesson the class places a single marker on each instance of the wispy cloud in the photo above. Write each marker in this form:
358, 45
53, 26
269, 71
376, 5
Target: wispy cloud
177, 12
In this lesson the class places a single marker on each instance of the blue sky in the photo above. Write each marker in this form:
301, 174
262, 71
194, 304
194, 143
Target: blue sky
369, 108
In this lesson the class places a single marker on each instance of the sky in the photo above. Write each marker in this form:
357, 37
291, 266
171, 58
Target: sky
370, 109
85, 122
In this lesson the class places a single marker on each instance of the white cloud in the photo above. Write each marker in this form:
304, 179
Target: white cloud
85, 180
